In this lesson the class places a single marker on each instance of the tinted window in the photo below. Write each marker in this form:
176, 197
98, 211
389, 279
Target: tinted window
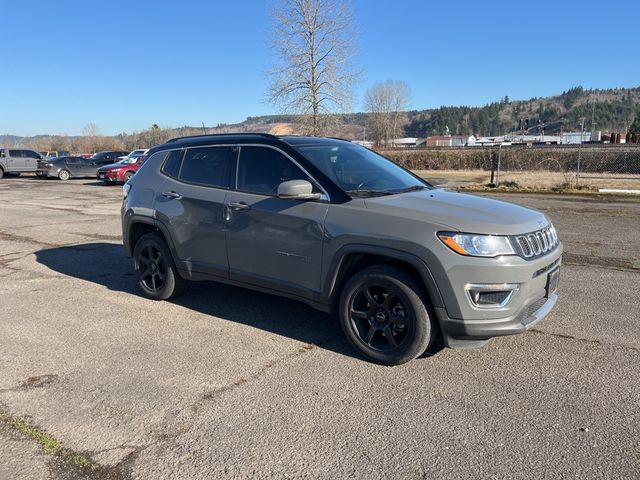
172, 165
31, 154
261, 170
208, 166
353, 168
16, 153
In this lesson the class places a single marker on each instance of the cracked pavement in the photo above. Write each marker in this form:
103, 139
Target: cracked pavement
228, 383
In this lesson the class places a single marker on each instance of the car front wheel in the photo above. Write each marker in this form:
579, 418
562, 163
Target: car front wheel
64, 175
157, 273
383, 315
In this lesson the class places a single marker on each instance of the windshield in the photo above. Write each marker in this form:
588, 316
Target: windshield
129, 160
359, 171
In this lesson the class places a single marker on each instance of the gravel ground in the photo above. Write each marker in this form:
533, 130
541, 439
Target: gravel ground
228, 383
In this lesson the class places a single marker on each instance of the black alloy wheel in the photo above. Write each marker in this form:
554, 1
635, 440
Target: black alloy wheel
157, 274
152, 268
379, 317
384, 316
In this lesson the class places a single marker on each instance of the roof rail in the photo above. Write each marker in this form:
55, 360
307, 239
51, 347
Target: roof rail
267, 135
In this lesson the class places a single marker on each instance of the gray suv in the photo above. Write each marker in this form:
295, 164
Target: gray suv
18, 160
338, 226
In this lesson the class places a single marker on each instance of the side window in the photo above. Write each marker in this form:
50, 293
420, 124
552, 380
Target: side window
209, 166
16, 153
1, 153
31, 154
261, 170
172, 164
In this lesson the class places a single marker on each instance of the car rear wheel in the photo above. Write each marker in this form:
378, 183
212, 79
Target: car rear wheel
64, 175
384, 316
1, 172
157, 273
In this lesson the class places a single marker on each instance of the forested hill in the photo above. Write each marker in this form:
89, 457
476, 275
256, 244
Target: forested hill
611, 110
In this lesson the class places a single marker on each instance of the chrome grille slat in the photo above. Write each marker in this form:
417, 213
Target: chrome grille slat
537, 243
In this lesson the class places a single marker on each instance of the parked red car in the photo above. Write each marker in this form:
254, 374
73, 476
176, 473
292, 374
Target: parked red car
120, 172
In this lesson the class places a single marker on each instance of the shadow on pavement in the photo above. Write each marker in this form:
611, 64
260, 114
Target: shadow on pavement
107, 264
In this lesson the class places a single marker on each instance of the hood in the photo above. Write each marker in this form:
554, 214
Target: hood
460, 212
110, 166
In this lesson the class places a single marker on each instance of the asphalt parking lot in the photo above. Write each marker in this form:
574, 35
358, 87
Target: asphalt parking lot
228, 383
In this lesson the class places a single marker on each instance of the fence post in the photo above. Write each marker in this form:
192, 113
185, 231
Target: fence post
579, 158
498, 171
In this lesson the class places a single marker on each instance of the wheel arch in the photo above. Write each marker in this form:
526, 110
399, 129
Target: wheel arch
352, 258
137, 226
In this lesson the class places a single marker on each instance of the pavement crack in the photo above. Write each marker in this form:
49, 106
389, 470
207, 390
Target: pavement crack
610, 263
585, 340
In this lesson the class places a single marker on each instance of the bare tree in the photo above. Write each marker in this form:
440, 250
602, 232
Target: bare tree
91, 130
386, 103
314, 42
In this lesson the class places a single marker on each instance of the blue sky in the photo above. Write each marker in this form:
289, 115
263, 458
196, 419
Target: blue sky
125, 65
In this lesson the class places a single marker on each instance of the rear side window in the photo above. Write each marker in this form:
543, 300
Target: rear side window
171, 166
262, 169
210, 166
16, 153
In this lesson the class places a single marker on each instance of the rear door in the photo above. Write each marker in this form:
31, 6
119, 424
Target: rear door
74, 166
191, 205
17, 161
272, 242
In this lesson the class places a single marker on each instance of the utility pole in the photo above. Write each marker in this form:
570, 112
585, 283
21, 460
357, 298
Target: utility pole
580, 152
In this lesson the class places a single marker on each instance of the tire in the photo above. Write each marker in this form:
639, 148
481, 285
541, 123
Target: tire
64, 175
128, 175
384, 315
1, 172
157, 273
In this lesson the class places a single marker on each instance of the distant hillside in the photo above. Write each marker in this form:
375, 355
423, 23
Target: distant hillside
611, 109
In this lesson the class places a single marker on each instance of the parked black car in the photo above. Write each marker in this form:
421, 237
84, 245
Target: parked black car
112, 155
66, 167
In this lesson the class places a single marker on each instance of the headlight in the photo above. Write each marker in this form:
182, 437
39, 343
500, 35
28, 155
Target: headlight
473, 245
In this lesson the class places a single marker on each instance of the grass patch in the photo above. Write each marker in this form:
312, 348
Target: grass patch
527, 181
48, 442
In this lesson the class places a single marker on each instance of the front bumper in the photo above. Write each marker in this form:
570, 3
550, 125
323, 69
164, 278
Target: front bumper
47, 172
464, 324
472, 333
109, 176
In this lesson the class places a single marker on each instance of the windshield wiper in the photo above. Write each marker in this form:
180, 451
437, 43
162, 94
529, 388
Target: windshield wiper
368, 193
413, 188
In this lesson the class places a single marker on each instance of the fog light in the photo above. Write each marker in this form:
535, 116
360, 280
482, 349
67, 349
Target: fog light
491, 295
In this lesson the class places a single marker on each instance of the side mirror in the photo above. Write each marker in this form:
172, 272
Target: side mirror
297, 190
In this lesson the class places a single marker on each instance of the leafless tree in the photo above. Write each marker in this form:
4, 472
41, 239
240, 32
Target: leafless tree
314, 75
386, 103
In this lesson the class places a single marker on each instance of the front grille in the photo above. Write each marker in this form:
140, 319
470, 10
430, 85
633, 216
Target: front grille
538, 243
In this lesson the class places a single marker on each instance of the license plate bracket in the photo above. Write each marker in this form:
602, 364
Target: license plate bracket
553, 279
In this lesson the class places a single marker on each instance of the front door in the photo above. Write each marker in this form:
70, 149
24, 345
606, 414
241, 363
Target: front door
272, 242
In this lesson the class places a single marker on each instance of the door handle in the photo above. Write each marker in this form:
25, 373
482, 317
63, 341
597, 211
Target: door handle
174, 195
238, 206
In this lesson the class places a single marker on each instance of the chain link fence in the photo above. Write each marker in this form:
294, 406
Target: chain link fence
586, 166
